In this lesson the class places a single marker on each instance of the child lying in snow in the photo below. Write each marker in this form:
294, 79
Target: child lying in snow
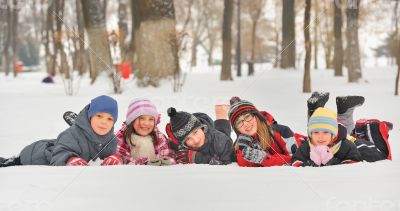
140, 142
91, 137
328, 142
197, 139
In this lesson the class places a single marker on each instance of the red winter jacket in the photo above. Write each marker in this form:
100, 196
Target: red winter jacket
284, 144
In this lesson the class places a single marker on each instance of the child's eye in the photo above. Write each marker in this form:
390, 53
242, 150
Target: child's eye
110, 119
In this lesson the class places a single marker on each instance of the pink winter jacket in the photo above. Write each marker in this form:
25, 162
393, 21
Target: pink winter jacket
161, 148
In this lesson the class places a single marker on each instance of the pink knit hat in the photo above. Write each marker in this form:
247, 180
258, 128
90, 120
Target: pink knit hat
139, 107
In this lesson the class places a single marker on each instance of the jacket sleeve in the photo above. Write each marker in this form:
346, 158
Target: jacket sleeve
287, 136
223, 148
223, 126
348, 152
65, 147
368, 151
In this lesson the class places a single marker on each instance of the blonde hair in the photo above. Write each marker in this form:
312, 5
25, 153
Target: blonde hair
263, 133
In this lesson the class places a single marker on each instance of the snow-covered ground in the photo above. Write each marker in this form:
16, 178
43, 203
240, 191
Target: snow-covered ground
31, 111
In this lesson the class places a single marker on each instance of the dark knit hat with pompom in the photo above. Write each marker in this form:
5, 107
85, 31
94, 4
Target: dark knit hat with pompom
182, 124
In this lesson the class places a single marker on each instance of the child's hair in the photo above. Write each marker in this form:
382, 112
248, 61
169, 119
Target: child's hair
264, 134
130, 130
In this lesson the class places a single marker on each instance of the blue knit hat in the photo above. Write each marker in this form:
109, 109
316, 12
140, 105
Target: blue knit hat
105, 104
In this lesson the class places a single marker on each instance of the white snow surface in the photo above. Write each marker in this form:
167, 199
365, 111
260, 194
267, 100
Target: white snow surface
32, 111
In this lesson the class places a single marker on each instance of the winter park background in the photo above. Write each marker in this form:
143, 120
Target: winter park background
31, 111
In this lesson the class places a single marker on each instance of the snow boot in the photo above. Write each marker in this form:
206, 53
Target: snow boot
317, 99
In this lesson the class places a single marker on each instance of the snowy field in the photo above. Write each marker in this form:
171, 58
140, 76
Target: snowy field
31, 111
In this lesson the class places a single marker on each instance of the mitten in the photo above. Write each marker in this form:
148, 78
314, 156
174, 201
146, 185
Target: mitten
154, 162
254, 155
314, 155
185, 156
167, 161
325, 154
244, 141
75, 161
111, 160
320, 154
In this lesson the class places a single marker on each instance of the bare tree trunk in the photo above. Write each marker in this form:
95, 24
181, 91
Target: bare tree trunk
329, 47
316, 5
135, 23
238, 44
59, 10
6, 51
338, 52
396, 91
226, 72
211, 52
50, 35
81, 32
288, 35
193, 60
253, 48
123, 28
255, 17
157, 38
397, 35
353, 61
15, 35
99, 48
307, 77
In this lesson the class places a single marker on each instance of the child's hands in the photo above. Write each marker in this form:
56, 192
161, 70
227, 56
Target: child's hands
111, 160
221, 111
160, 162
321, 155
254, 155
244, 141
75, 161
185, 156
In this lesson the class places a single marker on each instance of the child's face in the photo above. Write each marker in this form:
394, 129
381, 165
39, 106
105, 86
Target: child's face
144, 125
102, 123
321, 137
247, 124
196, 139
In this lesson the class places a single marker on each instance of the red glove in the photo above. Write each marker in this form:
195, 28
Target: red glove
75, 161
111, 160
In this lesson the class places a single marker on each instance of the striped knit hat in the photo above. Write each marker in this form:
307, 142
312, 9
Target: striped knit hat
240, 107
139, 107
323, 119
